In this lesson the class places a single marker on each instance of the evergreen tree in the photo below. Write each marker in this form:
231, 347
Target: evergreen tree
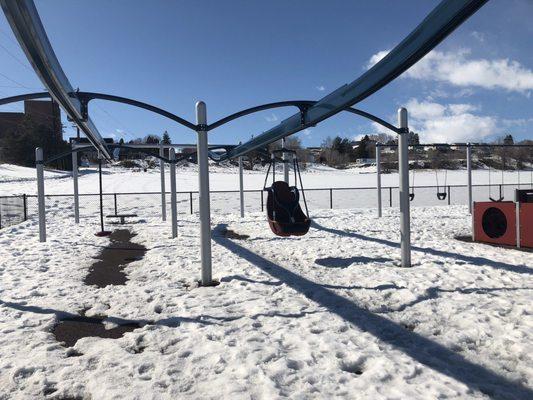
508, 140
166, 138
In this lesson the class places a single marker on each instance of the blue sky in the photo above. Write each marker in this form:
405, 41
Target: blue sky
476, 85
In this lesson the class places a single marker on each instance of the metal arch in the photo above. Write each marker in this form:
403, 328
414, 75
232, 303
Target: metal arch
373, 118
88, 96
23, 97
303, 105
31, 35
442, 21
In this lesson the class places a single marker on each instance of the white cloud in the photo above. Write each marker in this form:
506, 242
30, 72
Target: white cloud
306, 132
447, 123
479, 36
458, 109
458, 69
376, 58
425, 109
272, 118
320, 88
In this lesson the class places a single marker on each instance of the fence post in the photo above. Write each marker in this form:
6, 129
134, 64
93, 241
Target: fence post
262, 201
241, 187
378, 175
403, 161
449, 195
25, 205
115, 201
76, 191
173, 203
163, 195
390, 196
469, 175
40, 193
203, 194
330, 198
190, 201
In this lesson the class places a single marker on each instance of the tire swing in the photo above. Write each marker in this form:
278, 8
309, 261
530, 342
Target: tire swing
285, 216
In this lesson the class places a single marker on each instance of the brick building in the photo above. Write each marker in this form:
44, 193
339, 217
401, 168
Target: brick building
45, 113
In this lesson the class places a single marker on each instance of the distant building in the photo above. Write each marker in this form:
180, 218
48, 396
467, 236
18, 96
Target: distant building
44, 113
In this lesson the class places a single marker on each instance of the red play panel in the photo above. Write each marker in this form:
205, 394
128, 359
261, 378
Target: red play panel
495, 222
526, 225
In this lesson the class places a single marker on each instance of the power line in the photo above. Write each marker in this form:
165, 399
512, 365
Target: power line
15, 82
16, 58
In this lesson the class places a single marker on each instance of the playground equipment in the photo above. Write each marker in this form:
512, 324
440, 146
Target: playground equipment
285, 216
442, 194
443, 20
501, 194
505, 222
412, 185
441, 190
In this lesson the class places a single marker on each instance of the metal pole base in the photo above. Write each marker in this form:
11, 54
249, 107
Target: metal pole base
213, 282
103, 233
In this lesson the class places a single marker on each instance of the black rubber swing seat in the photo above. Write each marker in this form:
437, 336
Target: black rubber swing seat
285, 216
442, 195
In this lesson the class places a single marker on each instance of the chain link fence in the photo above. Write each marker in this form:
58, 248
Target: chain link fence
13, 210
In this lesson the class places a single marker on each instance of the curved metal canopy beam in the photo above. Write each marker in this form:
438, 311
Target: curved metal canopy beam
303, 105
442, 21
29, 31
88, 96
23, 97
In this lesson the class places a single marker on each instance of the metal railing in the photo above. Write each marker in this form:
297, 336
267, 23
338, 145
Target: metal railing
148, 204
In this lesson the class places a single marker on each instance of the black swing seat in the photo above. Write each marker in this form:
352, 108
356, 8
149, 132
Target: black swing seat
285, 216
411, 196
441, 195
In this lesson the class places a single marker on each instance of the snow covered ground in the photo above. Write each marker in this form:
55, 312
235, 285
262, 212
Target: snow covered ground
327, 315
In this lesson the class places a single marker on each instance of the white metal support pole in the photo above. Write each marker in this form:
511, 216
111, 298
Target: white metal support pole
40, 193
163, 195
469, 174
378, 174
203, 194
76, 191
405, 212
285, 163
241, 186
173, 200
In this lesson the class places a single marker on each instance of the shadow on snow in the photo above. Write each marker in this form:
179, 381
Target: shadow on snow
419, 348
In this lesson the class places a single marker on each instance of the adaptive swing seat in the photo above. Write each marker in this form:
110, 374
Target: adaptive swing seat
285, 216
